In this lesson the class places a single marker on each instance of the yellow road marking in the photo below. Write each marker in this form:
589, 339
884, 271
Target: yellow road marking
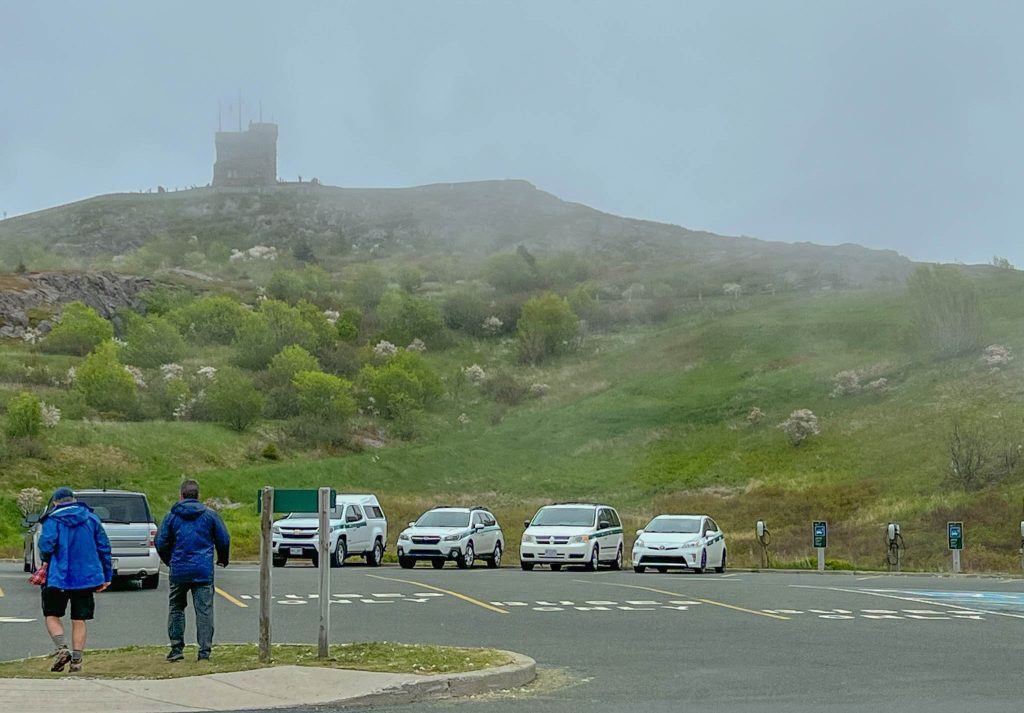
712, 602
230, 598
1, 591
463, 597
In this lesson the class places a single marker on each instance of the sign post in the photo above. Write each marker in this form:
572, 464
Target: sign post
955, 535
325, 502
266, 523
820, 537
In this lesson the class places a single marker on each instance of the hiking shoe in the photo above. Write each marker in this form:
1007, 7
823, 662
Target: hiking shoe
60, 659
203, 658
175, 657
75, 667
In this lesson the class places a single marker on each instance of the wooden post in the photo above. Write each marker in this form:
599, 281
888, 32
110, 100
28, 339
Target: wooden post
266, 552
324, 506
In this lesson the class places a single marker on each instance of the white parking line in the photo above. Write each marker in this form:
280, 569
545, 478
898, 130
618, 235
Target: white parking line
915, 600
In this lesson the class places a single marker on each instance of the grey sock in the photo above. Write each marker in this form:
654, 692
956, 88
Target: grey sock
76, 655
58, 641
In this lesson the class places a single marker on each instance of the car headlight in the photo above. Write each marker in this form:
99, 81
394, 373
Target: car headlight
576, 539
275, 530
529, 539
404, 537
639, 543
454, 538
693, 545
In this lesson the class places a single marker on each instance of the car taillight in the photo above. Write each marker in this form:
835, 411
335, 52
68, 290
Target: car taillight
152, 538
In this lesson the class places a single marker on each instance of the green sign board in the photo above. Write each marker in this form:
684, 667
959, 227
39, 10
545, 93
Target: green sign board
955, 533
293, 500
819, 532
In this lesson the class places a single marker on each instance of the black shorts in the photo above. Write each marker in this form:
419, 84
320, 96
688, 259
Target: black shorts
55, 602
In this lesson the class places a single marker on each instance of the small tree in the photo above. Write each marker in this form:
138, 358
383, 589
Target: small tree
405, 383
946, 312
801, 425
303, 251
368, 286
325, 403
286, 285
24, 416
80, 329
547, 326
151, 341
410, 279
210, 320
266, 332
285, 365
232, 399
404, 318
104, 382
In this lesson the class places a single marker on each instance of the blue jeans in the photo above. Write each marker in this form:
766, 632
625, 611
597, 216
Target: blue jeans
202, 602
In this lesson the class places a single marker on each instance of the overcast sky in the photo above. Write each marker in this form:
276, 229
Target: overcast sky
890, 124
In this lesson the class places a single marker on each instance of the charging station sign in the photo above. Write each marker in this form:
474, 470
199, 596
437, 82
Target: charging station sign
819, 532
955, 533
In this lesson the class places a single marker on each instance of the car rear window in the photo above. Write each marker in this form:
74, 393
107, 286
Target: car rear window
374, 512
117, 508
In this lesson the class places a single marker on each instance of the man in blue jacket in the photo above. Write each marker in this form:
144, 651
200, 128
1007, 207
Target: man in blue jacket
189, 537
76, 551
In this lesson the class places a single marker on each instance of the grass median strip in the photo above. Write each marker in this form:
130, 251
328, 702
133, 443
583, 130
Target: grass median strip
147, 662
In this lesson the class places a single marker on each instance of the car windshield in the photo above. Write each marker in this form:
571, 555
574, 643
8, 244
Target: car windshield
117, 508
685, 525
335, 514
564, 517
443, 518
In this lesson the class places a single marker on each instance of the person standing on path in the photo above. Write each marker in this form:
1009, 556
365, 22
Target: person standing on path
189, 537
76, 553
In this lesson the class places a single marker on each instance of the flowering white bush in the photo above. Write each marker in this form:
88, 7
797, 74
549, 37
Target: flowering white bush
29, 500
384, 349
997, 355
51, 414
256, 252
32, 336
120, 342
878, 384
801, 425
732, 289
186, 407
538, 390
475, 374
207, 372
170, 372
463, 419
72, 374
136, 374
845, 383
332, 316
492, 325
417, 345
755, 415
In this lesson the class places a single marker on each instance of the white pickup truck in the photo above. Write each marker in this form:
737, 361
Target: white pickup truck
358, 528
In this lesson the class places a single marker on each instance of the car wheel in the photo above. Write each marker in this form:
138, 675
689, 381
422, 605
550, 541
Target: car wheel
556, 567
495, 559
339, 554
466, 560
662, 570
526, 566
617, 562
703, 562
151, 581
406, 562
595, 559
639, 568
279, 561
375, 557
437, 564
721, 568
315, 559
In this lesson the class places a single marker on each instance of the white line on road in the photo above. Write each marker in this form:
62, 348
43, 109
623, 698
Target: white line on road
916, 600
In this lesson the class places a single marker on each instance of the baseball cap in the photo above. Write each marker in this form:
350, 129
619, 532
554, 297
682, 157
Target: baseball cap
62, 493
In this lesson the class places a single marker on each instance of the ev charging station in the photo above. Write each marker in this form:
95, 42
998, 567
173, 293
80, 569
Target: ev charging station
765, 538
819, 535
894, 546
955, 535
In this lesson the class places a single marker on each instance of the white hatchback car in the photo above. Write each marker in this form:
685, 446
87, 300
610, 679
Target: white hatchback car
450, 533
572, 533
680, 541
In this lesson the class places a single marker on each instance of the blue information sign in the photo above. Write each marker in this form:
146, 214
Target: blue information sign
820, 533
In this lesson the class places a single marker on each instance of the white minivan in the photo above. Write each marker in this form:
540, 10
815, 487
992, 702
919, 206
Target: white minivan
358, 528
572, 533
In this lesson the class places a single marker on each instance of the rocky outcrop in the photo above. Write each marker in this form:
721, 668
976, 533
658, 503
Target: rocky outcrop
22, 296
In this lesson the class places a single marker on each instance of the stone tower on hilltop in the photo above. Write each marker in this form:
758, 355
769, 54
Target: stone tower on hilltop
247, 159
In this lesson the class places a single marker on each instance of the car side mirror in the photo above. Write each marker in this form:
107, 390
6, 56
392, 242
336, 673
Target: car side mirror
709, 533
603, 525
639, 532
30, 520
478, 526
526, 524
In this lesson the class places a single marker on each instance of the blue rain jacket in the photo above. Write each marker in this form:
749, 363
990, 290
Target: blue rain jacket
188, 538
75, 544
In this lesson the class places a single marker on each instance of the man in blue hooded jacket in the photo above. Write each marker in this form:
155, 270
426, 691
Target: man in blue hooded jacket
189, 537
75, 548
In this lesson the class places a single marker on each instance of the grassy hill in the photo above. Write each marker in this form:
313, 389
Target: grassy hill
650, 418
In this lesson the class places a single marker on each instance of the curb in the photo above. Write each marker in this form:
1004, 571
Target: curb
520, 672
870, 572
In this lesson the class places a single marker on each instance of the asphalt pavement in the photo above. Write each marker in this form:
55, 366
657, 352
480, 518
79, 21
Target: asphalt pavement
654, 642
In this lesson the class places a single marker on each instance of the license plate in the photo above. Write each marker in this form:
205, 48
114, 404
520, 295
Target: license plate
295, 550
551, 553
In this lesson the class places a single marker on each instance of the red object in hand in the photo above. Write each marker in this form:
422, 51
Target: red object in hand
38, 577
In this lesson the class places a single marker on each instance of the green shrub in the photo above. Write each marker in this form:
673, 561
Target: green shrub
210, 320
325, 404
80, 329
347, 325
368, 286
286, 286
326, 333
286, 364
513, 273
505, 389
269, 330
404, 318
410, 279
406, 382
24, 416
466, 310
547, 326
151, 341
104, 382
232, 399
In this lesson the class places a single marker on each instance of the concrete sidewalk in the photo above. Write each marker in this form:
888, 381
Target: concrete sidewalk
277, 687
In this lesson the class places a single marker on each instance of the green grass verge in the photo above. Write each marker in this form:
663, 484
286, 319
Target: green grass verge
148, 662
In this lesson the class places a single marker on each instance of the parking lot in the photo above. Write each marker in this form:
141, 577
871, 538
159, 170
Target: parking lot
742, 641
